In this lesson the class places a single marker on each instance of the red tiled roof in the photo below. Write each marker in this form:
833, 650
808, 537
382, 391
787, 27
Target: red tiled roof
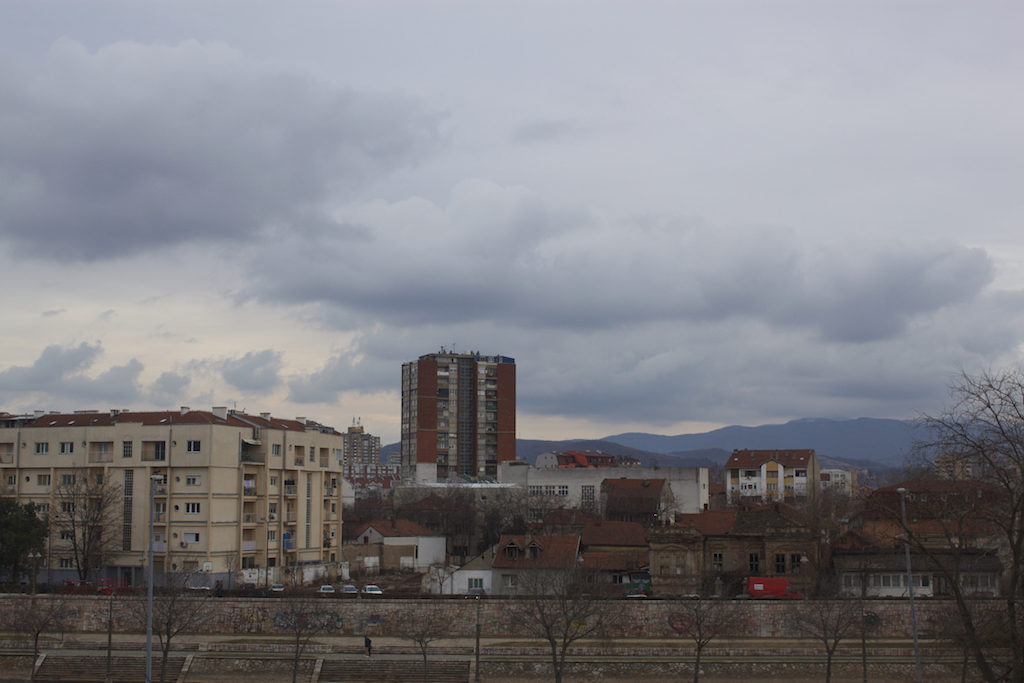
165, 417
710, 522
614, 533
394, 528
553, 551
611, 561
787, 458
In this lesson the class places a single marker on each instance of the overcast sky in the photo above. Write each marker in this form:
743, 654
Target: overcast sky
674, 216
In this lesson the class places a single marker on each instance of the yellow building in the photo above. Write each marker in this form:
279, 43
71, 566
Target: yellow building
233, 494
772, 475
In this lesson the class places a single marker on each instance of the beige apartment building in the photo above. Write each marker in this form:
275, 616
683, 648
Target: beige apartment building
237, 498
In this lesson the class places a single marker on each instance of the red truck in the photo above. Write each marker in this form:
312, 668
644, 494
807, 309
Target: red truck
768, 587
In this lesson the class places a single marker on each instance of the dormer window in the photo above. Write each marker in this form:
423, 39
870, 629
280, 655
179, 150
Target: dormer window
533, 551
512, 551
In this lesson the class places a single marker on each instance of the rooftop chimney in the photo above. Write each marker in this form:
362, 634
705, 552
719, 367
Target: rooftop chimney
221, 412
184, 410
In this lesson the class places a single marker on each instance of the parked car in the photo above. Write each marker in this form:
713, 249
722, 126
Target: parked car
277, 588
326, 588
371, 589
349, 589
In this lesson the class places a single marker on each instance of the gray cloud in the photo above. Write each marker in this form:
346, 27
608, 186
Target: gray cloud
256, 371
60, 372
549, 130
109, 153
503, 254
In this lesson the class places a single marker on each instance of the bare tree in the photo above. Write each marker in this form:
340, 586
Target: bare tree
88, 518
423, 628
176, 610
828, 621
702, 621
34, 616
559, 607
981, 435
304, 616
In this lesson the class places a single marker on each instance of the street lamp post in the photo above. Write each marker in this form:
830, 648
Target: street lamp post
153, 479
34, 558
910, 581
476, 676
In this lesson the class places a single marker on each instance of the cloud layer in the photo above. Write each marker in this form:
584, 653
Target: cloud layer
737, 225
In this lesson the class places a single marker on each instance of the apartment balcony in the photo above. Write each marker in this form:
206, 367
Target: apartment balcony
290, 518
299, 462
7, 458
101, 457
250, 491
159, 546
160, 518
249, 545
253, 457
289, 544
291, 490
160, 489
250, 518
330, 493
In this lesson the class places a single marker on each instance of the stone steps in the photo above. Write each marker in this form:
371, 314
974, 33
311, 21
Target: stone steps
348, 671
93, 669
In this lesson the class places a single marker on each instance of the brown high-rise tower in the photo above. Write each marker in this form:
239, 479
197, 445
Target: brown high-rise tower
458, 415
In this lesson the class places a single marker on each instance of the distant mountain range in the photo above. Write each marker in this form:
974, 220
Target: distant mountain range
867, 443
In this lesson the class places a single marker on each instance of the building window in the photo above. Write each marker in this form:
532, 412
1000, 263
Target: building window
11, 480
563, 490
533, 490
191, 537
717, 561
477, 583
67, 447
193, 446
66, 563
754, 563
126, 449
193, 480
509, 580
66, 536
67, 480
273, 481
192, 508
587, 496
549, 489
67, 508
795, 562
99, 479
43, 479
275, 449
42, 447
780, 563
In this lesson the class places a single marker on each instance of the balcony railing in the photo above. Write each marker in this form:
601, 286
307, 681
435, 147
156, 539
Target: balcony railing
249, 491
290, 518
249, 518
249, 545
291, 490
330, 492
289, 544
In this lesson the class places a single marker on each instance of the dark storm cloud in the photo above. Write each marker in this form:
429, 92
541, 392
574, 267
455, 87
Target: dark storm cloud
256, 371
109, 153
503, 254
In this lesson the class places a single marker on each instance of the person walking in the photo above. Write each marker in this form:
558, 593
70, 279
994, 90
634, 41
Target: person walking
368, 644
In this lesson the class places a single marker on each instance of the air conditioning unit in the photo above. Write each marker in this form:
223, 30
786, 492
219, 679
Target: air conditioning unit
272, 516
184, 544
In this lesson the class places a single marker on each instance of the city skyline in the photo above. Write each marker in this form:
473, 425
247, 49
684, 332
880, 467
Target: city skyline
674, 218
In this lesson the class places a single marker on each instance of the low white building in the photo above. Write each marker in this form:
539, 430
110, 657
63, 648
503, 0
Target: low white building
400, 541
580, 487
